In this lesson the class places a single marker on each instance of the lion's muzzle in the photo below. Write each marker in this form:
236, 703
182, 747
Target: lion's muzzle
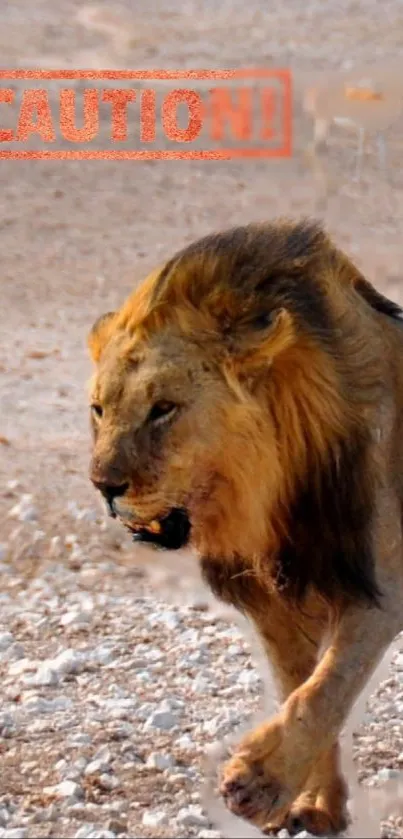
110, 492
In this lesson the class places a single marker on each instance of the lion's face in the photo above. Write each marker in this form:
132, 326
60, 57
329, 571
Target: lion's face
209, 383
161, 413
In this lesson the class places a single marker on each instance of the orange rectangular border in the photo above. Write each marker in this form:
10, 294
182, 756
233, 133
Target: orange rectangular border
282, 75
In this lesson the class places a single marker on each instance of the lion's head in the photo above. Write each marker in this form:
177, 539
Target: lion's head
218, 388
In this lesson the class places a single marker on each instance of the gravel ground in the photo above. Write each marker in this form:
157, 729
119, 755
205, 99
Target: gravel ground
114, 702
117, 681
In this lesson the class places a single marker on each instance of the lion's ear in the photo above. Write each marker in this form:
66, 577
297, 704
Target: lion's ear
266, 338
99, 335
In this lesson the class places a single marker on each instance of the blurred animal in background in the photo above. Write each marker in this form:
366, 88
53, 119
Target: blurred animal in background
366, 105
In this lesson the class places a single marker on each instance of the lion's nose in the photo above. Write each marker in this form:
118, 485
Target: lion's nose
111, 491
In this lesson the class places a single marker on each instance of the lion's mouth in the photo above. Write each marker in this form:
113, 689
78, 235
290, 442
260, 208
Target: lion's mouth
170, 532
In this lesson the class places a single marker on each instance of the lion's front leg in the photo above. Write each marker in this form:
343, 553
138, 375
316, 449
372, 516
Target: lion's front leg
273, 763
292, 639
321, 807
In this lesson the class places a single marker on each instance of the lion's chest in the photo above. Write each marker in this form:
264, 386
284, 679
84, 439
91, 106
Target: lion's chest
234, 582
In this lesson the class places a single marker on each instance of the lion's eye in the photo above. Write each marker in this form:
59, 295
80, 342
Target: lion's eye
162, 412
96, 410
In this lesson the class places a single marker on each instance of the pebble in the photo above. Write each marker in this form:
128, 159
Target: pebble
120, 731
192, 816
7, 720
24, 510
39, 705
399, 661
248, 678
154, 818
48, 814
14, 653
66, 789
164, 720
22, 666
6, 639
80, 739
386, 774
68, 662
160, 761
96, 767
108, 782
200, 685
185, 742
76, 618
103, 655
45, 677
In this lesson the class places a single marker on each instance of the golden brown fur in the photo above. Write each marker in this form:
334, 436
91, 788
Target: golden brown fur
256, 382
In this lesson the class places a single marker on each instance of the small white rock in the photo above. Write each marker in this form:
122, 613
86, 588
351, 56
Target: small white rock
66, 789
24, 665
24, 510
15, 653
75, 617
192, 816
154, 818
108, 782
45, 677
248, 678
164, 720
97, 767
170, 619
80, 739
39, 705
185, 742
6, 639
84, 831
160, 761
399, 661
103, 655
6, 721
199, 684
386, 774
69, 661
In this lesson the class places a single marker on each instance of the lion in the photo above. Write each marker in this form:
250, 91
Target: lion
247, 402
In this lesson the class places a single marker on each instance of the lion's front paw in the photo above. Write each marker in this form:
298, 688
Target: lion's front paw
251, 793
262, 778
251, 786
